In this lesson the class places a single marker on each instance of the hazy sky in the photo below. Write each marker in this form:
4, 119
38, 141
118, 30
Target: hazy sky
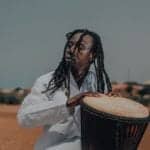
32, 36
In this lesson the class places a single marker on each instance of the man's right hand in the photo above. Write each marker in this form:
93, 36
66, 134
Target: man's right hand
72, 102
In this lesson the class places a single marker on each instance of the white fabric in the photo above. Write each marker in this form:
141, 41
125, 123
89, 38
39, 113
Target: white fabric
72, 145
50, 112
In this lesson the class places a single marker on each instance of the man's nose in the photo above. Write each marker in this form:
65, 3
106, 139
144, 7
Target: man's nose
73, 50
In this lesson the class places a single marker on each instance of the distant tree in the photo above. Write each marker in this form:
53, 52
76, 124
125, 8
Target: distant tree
18, 89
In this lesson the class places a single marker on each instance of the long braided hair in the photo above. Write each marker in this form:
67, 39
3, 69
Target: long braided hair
61, 75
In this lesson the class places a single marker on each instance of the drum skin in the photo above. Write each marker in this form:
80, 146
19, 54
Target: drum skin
104, 131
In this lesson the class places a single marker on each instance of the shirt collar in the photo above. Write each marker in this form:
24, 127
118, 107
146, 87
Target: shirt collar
73, 82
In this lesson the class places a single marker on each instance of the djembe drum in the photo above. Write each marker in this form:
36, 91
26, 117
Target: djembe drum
112, 123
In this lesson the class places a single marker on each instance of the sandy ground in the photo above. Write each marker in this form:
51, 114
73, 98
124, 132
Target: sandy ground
13, 137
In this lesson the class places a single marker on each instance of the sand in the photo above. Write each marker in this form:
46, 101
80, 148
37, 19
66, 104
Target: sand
13, 137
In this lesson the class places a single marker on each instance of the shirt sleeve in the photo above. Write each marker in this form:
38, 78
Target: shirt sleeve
38, 110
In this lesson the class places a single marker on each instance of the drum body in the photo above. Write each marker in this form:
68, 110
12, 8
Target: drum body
103, 131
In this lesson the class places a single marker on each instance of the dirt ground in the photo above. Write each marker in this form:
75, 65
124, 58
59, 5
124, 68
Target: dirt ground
13, 137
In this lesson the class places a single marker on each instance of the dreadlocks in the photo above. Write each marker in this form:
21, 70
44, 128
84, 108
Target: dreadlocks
61, 75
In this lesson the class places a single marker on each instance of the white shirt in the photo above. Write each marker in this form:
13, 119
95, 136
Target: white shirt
50, 111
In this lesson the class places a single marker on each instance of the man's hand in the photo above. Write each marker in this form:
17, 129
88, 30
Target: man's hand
77, 99
114, 94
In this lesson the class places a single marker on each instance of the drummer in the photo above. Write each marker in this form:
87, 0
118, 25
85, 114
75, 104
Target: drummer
49, 103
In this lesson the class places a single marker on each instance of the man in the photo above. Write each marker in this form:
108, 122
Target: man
55, 97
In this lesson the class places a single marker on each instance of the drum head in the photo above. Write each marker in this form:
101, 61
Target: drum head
117, 106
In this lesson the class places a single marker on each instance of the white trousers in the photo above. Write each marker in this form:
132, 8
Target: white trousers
71, 145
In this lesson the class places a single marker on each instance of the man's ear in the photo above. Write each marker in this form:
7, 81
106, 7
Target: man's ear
92, 57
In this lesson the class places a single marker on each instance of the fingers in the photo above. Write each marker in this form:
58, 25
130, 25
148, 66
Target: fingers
72, 103
94, 94
114, 94
74, 100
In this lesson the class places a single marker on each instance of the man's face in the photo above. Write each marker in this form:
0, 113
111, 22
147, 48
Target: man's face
82, 54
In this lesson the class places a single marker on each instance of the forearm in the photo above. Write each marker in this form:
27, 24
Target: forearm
45, 114
38, 112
